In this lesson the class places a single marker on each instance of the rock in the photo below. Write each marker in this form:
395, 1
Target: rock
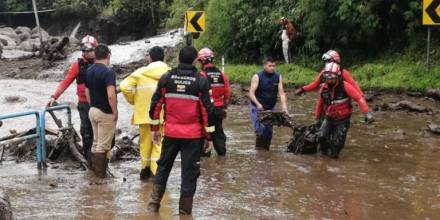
20, 30
434, 128
406, 105
26, 46
5, 206
9, 32
7, 41
13, 99
24, 36
433, 93
44, 34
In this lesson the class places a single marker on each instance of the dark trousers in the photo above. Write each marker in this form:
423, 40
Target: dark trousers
190, 151
332, 135
86, 128
218, 136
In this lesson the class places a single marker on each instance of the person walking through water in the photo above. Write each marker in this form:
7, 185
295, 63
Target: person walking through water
138, 89
287, 37
183, 94
265, 88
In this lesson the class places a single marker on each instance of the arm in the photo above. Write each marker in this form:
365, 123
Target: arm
357, 97
313, 85
128, 88
347, 78
227, 89
282, 95
157, 102
71, 75
254, 86
113, 101
88, 96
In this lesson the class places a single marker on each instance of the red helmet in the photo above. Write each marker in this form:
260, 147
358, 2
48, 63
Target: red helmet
205, 54
331, 56
331, 70
88, 43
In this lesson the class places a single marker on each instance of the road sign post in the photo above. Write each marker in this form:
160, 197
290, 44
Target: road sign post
431, 17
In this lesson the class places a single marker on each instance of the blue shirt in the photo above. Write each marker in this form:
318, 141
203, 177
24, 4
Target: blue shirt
99, 77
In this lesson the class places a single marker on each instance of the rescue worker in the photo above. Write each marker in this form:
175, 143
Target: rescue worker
221, 93
138, 89
77, 72
330, 56
265, 88
287, 36
184, 95
335, 98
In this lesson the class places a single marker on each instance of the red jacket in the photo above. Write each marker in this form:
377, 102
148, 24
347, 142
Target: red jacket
340, 97
219, 84
73, 74
184, 95
345, 75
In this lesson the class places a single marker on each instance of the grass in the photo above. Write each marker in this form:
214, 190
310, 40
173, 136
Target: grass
382, 74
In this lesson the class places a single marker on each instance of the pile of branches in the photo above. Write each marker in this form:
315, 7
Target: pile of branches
304, 138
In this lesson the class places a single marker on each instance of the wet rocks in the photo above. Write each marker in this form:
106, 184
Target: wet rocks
14, 99
5, 206
405, 106
433, 93
433, 127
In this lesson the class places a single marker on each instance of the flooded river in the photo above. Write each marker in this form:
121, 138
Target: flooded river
388, 170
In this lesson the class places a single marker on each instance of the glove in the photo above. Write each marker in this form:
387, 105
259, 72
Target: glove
369, 118
299, 91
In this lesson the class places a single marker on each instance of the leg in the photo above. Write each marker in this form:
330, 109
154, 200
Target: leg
86, 129
145, 147
338, 137
191, 150
286, 51
258, 128
324, 136
155, 155
219, 137
165, 164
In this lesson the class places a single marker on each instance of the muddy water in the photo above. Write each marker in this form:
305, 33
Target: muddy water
388, 170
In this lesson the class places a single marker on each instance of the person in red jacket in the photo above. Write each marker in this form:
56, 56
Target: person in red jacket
335, 97
221, 93
184, 96
77, 72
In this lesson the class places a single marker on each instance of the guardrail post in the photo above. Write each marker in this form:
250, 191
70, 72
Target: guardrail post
42, 140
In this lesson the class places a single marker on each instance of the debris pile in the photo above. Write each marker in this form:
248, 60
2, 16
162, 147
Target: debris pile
5, 207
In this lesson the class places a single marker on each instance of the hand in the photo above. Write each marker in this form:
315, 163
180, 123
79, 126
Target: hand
51, 102
156, 137
260, 107
207, 147
115, 116
369, 118
299, 91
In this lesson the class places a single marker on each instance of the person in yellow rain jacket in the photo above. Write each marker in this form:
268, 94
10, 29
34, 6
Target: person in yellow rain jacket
138, 89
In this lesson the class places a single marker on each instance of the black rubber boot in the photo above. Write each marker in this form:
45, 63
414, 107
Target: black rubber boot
145, 173
156, 197
99, 163
259, 142
266, 143
185, 206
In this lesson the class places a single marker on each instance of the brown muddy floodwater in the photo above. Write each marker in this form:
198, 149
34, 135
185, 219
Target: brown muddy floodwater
388, 170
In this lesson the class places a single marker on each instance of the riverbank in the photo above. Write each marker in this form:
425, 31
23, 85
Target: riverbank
376, 75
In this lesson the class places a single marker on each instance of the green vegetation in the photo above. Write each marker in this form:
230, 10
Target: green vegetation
385, 74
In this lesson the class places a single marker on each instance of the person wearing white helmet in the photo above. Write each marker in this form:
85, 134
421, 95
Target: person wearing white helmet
77, 71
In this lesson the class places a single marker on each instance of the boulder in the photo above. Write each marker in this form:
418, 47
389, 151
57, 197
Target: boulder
20, 30
7, 41
27, 46
44, 34
24, 36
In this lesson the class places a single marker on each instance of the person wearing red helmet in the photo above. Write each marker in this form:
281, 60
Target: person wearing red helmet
77, 72
335, 97
221, 93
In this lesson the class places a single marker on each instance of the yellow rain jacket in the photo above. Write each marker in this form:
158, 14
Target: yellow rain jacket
139, 87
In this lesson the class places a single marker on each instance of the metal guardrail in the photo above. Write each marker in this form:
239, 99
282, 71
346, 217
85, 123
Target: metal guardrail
40, 133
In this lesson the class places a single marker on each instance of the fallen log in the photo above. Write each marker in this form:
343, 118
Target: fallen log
5, 206
406, 105
276, 119
434, 128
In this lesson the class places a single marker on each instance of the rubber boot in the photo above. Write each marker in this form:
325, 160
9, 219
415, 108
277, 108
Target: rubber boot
99, 163
259, 142
185, 206
145, 173
266, 143
156, 197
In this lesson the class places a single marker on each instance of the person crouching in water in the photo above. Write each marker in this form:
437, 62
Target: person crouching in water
335, 98
221, 93
138, 89
265, 88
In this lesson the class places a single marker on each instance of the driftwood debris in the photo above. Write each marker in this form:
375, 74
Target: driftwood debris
433, 127
433, 93
406, 106
125, 149
5, 207
276, 119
